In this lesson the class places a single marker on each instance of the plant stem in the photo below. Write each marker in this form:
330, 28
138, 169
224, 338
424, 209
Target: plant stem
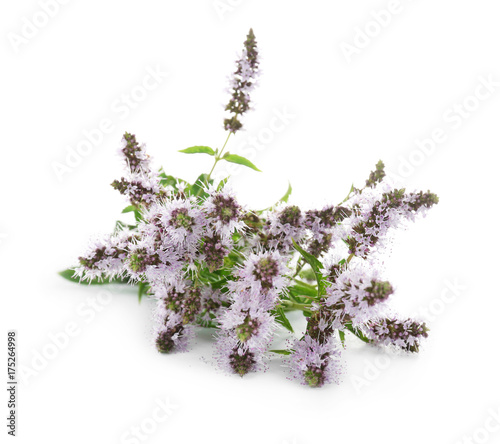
225, 143
217, 158
295, 305
305, 284
300, 266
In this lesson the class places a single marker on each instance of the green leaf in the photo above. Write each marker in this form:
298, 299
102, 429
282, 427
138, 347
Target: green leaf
129, 209
349, 194
143, 288
307, 274
68, 274
222, 183
315, 264
198, 188
282, 319
134, 209
283, 199
302, 290
342, 337
198, 149
171, 181
281, 352
356, 332
287, 194
120, 226
234, 158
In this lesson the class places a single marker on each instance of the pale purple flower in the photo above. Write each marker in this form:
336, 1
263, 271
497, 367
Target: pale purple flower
177, 306
284, 223
242, 83
223, 212
104, 257
183, 222
211, 304
234, 358
357, 295
326, 228
173, 335
141, 189
213, 251
315, 363
262, 274
249, 322
134, 155
403, 334
379, 209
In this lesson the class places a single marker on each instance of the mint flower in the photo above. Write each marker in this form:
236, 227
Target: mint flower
176, 309
357, 295
262, 274
233, 358
214, 249
223, 213
105, 257
376, 176
405, 334
372, 222
314, 363
284, 223
242, 83
135, 155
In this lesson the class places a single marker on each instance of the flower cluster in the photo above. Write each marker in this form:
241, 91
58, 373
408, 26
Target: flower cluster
375, 215
404, 334
246, 327
207, 261
357, 295
141, 186
242, 83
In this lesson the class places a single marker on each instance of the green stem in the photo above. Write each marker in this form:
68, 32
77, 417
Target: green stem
295, 305
217, 158
350, 257
300, 266
305, 284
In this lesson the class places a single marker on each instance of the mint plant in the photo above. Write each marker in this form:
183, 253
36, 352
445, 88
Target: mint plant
210, 262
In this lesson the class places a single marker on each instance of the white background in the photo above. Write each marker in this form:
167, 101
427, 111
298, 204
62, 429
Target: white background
66, 77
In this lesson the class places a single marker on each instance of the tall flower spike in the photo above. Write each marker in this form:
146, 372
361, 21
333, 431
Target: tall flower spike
104, 257
404, 334
242, 83
177, 307
387, 212
135, 156
377, 175
140, 189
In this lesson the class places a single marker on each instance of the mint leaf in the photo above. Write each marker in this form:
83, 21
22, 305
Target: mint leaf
315, 264
198, 149
234, 158
68, 274
281, 352
282, 319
